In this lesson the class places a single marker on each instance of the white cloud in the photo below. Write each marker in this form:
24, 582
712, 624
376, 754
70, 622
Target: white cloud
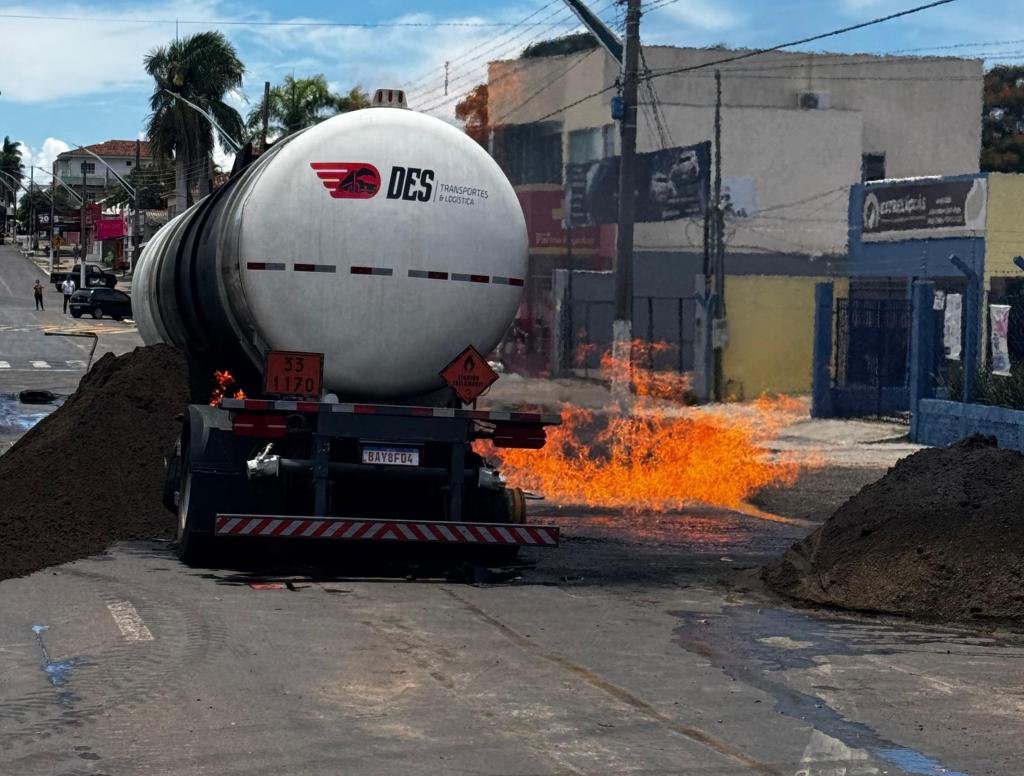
43, 156
704, 14
100, 53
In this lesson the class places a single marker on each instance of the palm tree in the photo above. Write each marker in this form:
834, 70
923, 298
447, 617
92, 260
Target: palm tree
297, 103
10, 163
202, 68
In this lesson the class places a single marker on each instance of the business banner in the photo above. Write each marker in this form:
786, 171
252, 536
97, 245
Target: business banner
1000, 332
951, 326
672, 183
949, 207
110, 229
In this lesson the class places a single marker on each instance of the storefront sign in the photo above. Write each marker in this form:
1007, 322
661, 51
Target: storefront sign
110, 229
931, 208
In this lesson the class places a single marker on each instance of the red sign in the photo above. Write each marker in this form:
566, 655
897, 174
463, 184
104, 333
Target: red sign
469, 374
543, 207
348, 180
293, 374
110, 229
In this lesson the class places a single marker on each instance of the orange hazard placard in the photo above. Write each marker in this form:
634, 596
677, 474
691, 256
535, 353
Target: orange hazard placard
293, 374
469, 374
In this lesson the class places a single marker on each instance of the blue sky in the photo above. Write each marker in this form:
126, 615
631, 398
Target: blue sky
81, 81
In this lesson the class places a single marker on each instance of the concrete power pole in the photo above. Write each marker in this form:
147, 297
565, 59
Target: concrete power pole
718, 325
82, 244
135, 207
33, 239
266, 115
53, 197
622, 328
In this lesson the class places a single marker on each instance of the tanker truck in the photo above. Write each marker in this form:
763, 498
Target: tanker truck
352, 279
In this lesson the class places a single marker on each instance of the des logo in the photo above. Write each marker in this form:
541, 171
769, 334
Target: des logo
411, 183
348, 180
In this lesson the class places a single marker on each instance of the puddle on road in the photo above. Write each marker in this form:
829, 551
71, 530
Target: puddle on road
17, 418
57, 671
750, 644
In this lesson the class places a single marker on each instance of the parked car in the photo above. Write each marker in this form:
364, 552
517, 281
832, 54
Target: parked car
95, 276
101, 301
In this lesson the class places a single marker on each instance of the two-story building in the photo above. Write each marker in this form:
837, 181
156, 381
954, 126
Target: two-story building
797, 131
119, 156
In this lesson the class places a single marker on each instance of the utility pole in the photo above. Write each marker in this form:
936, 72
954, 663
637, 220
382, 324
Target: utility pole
622, 328
266, 115
135, 207
53, 197
33, 240
446, 78
718, 289
81, 233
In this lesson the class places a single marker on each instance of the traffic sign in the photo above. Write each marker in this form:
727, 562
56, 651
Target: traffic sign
469, 374
58, 241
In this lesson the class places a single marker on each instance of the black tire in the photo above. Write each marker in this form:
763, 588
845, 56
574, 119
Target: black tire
172, 479
97, 312
117, 317
194, 549
76, 315
507, 505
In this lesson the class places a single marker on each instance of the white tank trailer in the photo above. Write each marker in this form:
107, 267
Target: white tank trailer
387, 242
385, 239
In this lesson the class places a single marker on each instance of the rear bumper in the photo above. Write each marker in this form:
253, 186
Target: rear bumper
412, 531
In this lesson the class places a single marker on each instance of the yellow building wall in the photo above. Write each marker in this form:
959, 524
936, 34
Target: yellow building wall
771, 333
1004, 228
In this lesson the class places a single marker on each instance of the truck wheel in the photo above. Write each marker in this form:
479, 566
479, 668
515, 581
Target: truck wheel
194, 549
507, 505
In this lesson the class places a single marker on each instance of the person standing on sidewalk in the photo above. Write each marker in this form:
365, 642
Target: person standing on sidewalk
67, 288
38, 289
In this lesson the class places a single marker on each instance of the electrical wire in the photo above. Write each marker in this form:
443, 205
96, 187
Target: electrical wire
250, 22
758, 52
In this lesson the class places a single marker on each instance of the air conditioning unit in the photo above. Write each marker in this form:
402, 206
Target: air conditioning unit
814, 100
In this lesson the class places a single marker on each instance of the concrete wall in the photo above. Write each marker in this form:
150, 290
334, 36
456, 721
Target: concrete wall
1004, 229
944, 422
771, 334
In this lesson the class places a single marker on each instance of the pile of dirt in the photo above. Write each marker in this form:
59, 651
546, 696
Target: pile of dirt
941, 536
92, 472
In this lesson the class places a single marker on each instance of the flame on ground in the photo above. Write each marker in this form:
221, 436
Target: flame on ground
662, 457
225, 386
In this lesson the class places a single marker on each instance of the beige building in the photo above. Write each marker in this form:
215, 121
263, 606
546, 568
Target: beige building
797, 131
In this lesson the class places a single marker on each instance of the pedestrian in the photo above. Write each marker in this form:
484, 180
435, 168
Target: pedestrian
67, 288
38, 289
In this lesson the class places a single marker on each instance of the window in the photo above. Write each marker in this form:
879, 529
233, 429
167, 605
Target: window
129, 163
872, 167
89, 168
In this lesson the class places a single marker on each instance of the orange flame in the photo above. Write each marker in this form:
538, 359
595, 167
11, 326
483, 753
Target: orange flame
225, 382
661, 458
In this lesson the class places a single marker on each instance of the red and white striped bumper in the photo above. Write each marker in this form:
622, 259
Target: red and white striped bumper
386, 530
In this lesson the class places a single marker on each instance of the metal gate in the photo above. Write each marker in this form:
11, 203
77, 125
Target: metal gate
872, 348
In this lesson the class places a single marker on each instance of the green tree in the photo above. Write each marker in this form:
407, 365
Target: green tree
36, 198
297, 103
1002, 129
202, 68
10, 163
471, 110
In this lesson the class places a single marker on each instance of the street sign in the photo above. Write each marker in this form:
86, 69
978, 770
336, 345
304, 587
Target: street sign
58, 241
469, 374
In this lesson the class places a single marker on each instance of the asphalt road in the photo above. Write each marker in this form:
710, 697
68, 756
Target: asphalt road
28, 358
643, 645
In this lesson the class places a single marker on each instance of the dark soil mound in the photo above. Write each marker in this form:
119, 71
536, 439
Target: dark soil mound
941, 536
92, 472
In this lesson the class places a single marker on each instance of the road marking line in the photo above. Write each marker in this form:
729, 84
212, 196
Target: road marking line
76, 364
40, 364
5, 365
128, 621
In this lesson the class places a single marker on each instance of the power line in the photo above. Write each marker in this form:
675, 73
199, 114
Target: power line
811, 39
251, 22
757, 52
